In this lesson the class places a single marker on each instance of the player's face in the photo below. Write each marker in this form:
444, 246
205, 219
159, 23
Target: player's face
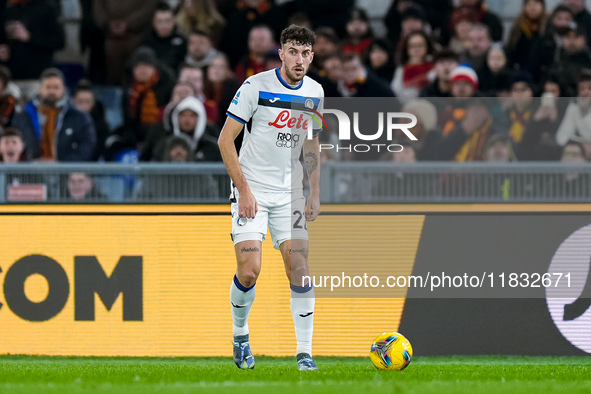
296, 60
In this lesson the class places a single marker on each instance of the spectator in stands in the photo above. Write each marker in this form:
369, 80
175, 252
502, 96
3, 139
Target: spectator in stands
498, 149
521, 108
491, 20
468, 123
29, 36
426, 129
7, 99
12, 146
381, 61
437, 14
52, 128
574, 56
330, 75
201, 51
539, 138
181, 91
85, 101
581, 14
357, 82
177, 150
201, 15
125, 24
444, 62
248, 14
359, 33
480, 43
461, 23
529, 26
178, 187
572, 184
576, 125
150, 90
169, 45
327, 44
190, 123
194, 76
412, 19
495, 77
405, 16
143, 103
220, 86
81, 188
415, 70
545, 51
260, 42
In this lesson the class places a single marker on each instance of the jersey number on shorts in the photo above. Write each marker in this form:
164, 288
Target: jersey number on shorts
296, 224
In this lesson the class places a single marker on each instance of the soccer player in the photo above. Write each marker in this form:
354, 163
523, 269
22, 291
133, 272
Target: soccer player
274, 108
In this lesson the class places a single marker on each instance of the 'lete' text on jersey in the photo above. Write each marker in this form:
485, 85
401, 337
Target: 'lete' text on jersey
277, 117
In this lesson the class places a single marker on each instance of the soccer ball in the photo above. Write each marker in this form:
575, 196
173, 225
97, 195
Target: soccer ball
391, 351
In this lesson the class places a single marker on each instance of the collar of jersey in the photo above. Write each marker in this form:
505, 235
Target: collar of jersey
285, 83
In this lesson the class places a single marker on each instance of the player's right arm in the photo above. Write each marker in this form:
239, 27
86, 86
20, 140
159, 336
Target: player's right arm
247, 203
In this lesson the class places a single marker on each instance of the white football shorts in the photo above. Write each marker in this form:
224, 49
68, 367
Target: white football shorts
283, 213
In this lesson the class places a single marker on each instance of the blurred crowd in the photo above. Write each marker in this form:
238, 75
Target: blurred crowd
479, 93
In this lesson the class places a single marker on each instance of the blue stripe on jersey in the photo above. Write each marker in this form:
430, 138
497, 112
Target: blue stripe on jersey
235, 118
285, 83
290, 98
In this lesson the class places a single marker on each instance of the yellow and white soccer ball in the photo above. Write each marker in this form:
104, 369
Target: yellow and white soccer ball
391, 351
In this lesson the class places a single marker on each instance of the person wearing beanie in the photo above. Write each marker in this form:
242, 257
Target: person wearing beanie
464, 81
144, 101
460, 24
521, 108
467, 121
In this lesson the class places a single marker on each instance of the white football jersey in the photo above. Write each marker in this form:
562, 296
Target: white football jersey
277, 117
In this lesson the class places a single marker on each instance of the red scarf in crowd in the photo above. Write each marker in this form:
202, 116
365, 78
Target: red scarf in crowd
143, 105
415, 75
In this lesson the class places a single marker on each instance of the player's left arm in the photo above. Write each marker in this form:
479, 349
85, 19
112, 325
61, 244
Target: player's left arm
312, 161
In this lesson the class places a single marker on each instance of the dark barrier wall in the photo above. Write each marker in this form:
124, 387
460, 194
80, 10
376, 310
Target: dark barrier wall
503, 320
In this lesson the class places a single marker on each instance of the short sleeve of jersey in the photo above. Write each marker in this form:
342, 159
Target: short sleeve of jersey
319, 127
244, 102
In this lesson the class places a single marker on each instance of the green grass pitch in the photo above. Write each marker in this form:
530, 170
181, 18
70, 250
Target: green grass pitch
499, 374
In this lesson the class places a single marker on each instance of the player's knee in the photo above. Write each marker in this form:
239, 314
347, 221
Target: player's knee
297, 273
248, 277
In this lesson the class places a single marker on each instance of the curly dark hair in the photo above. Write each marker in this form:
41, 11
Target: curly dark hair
301, 35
